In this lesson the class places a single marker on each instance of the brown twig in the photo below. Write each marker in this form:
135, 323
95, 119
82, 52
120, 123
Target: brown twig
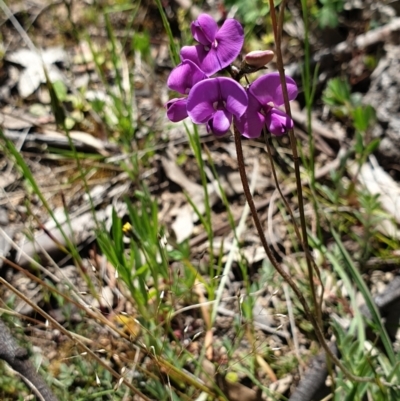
17, 358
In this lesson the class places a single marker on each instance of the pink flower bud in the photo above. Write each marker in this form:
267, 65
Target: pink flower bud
258, 58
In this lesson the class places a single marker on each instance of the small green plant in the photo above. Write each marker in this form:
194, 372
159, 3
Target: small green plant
252, 13
343, 103
348, 106
141, 43
11, 386
328, 14
337, 95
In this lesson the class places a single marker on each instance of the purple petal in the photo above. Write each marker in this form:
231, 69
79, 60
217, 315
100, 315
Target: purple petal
223, 51
184, 76
252, 121
214, 94
220, 123
203, 56
176, 109
234, 95
268, 89
228, 42
201, 99
278, 122
204, 29
250, 125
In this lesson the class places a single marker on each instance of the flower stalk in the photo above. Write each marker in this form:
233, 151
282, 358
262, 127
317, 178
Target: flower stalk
219, 101
316, 322
310, 316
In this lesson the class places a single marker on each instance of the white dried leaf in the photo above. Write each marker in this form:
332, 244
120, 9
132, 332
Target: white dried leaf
183, 225
281, 385
34, 64
378, 182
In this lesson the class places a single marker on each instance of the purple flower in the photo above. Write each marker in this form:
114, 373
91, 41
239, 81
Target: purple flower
184, 76
265, 95
181, 80
215, 101
217, 48
176, 109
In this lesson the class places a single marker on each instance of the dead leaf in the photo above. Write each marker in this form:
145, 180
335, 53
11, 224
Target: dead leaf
185, 217
16, 122
234, 391
266, 367
91, 141
7, 179
34, 63
176, 175
280, 386
378, 182
237, 391
183, 225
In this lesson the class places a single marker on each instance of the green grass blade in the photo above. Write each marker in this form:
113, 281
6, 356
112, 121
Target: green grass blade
367, 297
172, 47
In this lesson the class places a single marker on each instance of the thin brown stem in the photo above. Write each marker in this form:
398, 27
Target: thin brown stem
278, 187
296, 159
289, 210
280, 270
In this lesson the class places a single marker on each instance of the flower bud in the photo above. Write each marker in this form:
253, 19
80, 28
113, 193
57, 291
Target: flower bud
258, 58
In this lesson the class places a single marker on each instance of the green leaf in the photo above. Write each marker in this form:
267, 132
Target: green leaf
337, 92
55, 102
327, 17
141, 43
372, 146
172, 47
60, 90
359, 145
363, 117
367, 297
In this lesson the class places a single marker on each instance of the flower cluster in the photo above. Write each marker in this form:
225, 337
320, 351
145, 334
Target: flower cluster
217, 101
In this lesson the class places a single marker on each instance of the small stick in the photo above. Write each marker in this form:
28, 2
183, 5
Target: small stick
17, 358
